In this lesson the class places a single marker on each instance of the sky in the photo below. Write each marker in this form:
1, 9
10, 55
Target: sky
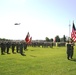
41, 18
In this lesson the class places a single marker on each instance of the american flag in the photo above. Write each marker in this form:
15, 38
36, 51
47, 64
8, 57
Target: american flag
73, 33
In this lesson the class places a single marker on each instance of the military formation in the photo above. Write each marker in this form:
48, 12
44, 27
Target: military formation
41, 44
19, 47
15, 47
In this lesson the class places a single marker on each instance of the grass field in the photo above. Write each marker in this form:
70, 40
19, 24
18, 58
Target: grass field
38, 61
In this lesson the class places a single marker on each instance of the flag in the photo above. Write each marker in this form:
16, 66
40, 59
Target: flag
54, 40
30, 40
27, 38
73, 33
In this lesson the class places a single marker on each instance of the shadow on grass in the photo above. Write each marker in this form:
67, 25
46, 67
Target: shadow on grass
32, 50
23, 54
33, 56
74, 59
25, 49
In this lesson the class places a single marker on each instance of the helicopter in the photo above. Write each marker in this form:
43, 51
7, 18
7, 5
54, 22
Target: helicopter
17, 23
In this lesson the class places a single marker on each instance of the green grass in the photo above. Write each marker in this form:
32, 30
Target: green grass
38, 61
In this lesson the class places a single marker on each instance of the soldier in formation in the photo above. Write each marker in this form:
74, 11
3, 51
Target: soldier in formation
15, 47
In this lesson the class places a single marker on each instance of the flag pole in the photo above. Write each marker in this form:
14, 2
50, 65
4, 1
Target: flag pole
69, 30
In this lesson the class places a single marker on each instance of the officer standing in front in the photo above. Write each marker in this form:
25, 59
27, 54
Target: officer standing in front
72, 49
69, 50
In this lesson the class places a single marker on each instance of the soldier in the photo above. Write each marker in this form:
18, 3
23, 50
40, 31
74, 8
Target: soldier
69, 49
17, 47
2, 48
13, 47
8, 46
72, 49
21, 49
25, 46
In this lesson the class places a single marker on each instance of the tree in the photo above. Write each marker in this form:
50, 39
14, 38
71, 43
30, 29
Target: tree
64, 38
51, 39
47, 39
57, 39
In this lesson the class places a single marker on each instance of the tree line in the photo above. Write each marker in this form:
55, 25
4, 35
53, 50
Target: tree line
58, 39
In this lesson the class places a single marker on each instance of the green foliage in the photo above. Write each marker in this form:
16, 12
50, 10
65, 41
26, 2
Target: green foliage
38, 61
47, 39
57, 39
63, 39
51, 39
